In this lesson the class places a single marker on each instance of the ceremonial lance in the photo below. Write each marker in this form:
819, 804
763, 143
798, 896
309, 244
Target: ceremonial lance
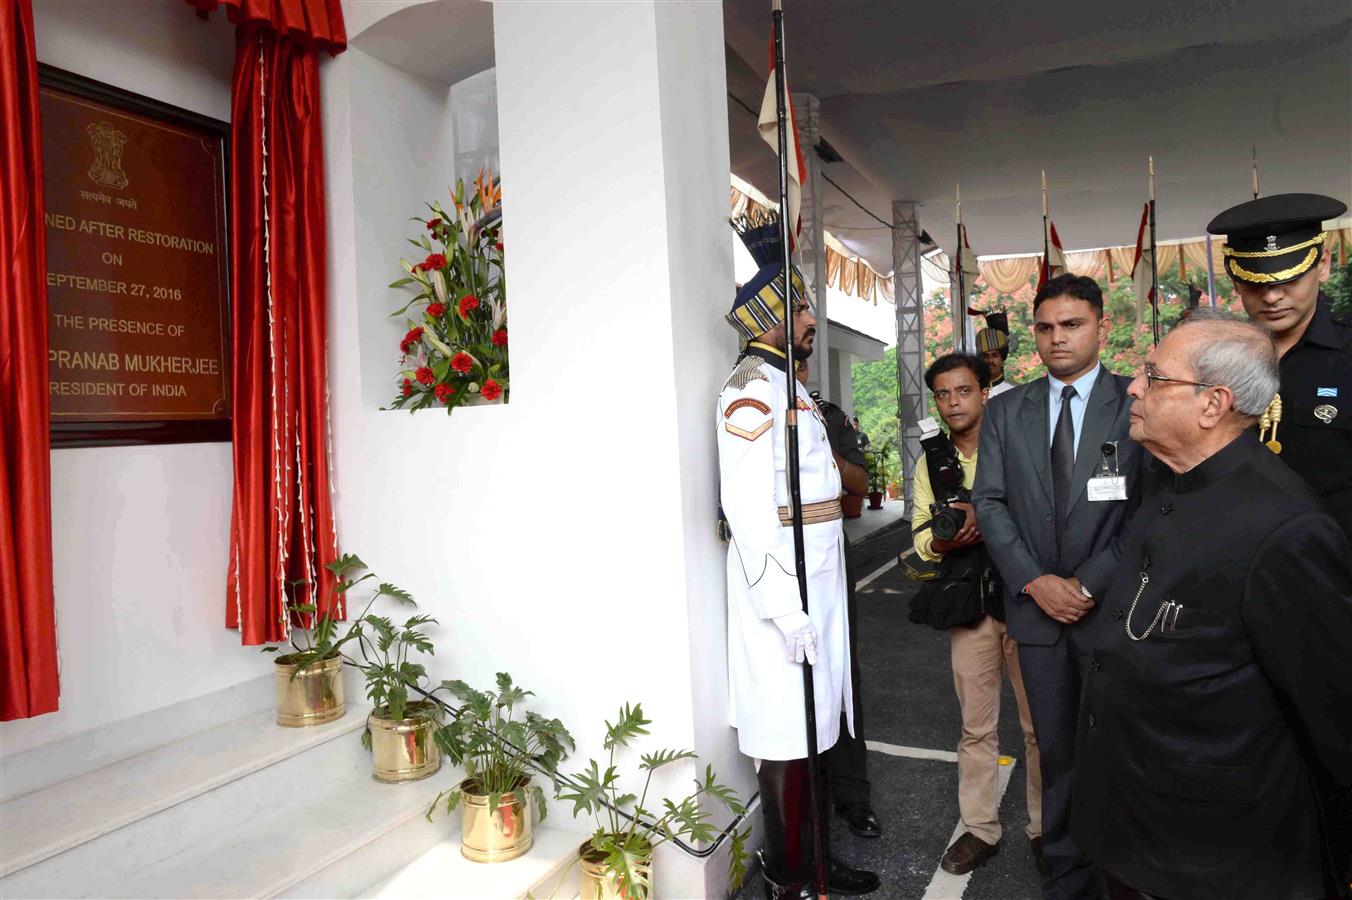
791, 453
1154, 265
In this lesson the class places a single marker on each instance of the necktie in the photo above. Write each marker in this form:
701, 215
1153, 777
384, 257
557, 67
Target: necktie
1063, 459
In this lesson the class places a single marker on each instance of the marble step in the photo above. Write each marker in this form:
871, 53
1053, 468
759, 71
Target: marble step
113, 821
322, 843
547, 872
67, 757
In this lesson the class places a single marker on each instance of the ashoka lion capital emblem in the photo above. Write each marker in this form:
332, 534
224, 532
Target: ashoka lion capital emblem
108, 143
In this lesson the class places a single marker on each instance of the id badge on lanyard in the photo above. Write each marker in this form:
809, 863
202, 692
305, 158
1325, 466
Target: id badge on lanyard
1107, 483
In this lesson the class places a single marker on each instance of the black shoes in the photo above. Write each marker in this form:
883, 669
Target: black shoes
841, 879
860, 819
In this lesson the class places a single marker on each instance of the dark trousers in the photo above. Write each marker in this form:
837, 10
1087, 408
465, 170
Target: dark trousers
847, 761
1052, 677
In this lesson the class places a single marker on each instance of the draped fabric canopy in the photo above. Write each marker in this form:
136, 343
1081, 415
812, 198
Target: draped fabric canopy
314, 23
28, 663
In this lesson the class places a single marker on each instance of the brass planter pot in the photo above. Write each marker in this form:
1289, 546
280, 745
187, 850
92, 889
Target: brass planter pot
312, 697
596, 884
404, 750
495, 836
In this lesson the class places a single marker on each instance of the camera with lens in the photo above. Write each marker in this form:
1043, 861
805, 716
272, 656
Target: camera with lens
945, 473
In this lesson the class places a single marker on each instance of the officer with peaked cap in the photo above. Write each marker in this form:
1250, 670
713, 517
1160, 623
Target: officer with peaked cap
1276, 257
769, 634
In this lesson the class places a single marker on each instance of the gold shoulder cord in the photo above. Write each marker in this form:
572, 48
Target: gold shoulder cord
1271, 418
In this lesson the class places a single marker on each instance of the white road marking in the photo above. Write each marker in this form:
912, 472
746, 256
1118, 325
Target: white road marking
859, 586
912, 752
944, 886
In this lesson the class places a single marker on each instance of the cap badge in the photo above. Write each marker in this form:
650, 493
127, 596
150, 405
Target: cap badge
1271, 242
1325, 412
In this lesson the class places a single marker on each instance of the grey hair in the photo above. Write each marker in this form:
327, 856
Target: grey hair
1238, 354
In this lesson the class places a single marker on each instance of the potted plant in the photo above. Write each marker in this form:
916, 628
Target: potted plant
455, 350
877, 477
310, 678
497, 749
617, 860
399, 732
894, 490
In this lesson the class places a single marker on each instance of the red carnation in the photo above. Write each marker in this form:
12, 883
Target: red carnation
499, 246
433, 224
410, 339
491, 390
436, 310
444, 392
468, 302
434, 261
462, 363
424, 375
500, 338
408, 388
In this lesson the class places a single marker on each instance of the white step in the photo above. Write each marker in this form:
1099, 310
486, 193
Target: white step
64, 839
547, 872
65, 758
316, 845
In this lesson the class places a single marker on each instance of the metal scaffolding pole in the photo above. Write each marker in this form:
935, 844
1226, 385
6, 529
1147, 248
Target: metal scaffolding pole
910, 338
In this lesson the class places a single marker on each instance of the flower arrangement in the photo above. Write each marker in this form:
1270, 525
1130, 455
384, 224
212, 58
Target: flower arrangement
455, 350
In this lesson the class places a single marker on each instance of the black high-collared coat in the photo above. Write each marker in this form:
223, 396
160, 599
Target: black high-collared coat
1192, 778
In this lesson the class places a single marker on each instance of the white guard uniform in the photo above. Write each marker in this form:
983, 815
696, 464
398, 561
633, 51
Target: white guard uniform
766, 702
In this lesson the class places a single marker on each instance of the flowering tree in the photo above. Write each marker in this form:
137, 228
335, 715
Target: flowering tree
455, 351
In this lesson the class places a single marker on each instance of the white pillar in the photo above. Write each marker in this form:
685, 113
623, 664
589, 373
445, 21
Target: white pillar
568, 537
807, 111
842, 379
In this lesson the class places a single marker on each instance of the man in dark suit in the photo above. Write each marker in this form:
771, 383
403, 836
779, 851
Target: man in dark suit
1222, 674
1051, 496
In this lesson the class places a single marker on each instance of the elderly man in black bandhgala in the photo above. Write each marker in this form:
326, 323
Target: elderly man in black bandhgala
1222, 671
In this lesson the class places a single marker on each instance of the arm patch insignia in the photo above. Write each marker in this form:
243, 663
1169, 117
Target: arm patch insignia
745, 403
749, 435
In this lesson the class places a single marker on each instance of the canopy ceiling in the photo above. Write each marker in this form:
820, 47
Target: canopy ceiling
917, 96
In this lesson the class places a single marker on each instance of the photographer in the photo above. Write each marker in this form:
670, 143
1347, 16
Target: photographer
965, 600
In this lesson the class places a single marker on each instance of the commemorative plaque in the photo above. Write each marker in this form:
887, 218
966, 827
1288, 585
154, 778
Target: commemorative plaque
137, 265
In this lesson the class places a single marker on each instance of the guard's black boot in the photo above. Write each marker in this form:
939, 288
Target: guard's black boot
784, 802
841, 877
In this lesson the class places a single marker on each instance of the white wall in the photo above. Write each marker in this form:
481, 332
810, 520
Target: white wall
139, 534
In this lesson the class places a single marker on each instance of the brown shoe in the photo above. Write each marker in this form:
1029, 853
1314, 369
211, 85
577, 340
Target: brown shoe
1038, 858
967, 852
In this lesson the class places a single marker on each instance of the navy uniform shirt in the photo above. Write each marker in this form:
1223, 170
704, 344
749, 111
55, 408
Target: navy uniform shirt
1316, 427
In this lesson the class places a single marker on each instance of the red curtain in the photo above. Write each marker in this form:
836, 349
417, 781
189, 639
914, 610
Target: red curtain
28, 670
282, 529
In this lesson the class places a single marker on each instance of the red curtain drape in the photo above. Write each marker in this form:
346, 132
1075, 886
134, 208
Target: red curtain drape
282, 529
28, 668
314, 23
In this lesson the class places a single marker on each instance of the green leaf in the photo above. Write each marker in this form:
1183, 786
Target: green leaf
538, 795
401, 282
388, 590
653, 761
629, 726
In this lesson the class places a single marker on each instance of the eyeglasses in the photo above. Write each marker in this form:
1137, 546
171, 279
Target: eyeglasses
1152, 376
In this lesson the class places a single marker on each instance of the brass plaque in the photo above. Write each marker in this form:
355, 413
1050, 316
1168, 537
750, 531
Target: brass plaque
137, 266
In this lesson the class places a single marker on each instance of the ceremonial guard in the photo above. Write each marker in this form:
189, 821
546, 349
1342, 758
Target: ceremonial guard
992, 342
769, 635
1276, 257
1221, 672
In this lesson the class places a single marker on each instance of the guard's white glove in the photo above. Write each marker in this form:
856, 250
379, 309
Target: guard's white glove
799, 636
